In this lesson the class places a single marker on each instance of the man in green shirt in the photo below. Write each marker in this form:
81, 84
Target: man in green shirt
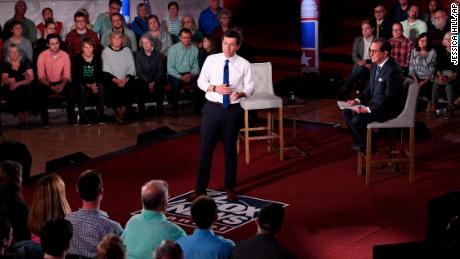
29, 29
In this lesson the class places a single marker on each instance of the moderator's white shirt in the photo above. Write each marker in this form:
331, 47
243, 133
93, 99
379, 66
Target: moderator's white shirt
212, 73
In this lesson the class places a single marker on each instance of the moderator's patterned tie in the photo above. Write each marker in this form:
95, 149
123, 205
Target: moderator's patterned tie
226, 97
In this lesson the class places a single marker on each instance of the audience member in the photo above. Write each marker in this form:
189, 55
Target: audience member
49, 202
23, 44
111, 247
361, 59
150, 70
189, 22
446, 76
53, 69
171, 22
119, 77
208, 17
162, 38
381, 23
29, 30
203, 243
423, 59
145, 231
182, 66
6, 235
74, 39
208, 47
89, 26
48, 16
168, 249
17, 77
413, 26
129, 38
41, 44
432, 8
401, 48
55, 238
103, 22
382, 100
400, 11
225, 21
441, 25
12, 204
90, 224
222, 113
265, 243
139, 24
87, 81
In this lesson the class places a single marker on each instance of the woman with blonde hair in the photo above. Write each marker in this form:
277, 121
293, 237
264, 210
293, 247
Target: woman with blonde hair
189, 22
49, 203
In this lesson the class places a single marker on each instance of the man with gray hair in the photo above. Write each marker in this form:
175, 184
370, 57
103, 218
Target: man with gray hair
441, 25
145, 231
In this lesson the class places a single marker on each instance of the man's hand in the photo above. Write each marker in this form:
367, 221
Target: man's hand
223, 89
360, 109
93, 87
235, 95
352, 102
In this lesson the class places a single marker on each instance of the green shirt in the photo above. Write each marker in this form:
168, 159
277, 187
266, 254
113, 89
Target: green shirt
182, 60
145, 231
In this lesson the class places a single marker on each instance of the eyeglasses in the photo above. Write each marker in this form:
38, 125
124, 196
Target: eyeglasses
373, 51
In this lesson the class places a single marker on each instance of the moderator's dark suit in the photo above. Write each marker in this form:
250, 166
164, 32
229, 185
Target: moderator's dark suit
384, 97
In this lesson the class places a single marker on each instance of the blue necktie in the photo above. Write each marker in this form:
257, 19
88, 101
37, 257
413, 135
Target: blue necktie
376, 78
226, 99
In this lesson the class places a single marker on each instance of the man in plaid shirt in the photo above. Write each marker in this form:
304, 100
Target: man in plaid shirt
401, 48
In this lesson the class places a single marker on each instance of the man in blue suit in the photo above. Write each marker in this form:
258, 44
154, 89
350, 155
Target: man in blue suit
382, 100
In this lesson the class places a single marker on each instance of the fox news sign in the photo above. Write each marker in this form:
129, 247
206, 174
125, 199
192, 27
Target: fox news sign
231, 215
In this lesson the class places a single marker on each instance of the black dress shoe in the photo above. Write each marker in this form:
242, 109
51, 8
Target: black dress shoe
231, 195
195, 196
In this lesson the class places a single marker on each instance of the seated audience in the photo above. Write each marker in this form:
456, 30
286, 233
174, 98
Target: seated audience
29, 29
225, 23
139, 24
401, 48
441, 25
17, 77
189, 22
17, 39
129, 38
168, 249
432, 8
447, 77
55, 238
74, 39
12, 204
119, 77
265, 243
182, 66
150, 71
203, 243
53, 69
90, 224
48, 16
103, 22
162, 38
6, 235
381, 23
207, 48
361, 59
208, 17
111, 247
49, 202
400, 11
412, 26
423, 59
145, 231
87, 81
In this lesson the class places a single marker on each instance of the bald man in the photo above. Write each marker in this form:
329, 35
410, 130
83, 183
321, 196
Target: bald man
29, 28
145, 231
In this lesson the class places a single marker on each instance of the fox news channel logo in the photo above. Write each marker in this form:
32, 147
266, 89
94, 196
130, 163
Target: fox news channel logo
454, 33
231, 215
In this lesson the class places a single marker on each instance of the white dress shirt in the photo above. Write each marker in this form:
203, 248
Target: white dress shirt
212, 73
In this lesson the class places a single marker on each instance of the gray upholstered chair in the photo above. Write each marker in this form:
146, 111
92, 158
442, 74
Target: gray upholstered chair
404, 120
264, 98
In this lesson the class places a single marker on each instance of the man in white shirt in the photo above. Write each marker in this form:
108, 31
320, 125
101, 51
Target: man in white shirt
226, 78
